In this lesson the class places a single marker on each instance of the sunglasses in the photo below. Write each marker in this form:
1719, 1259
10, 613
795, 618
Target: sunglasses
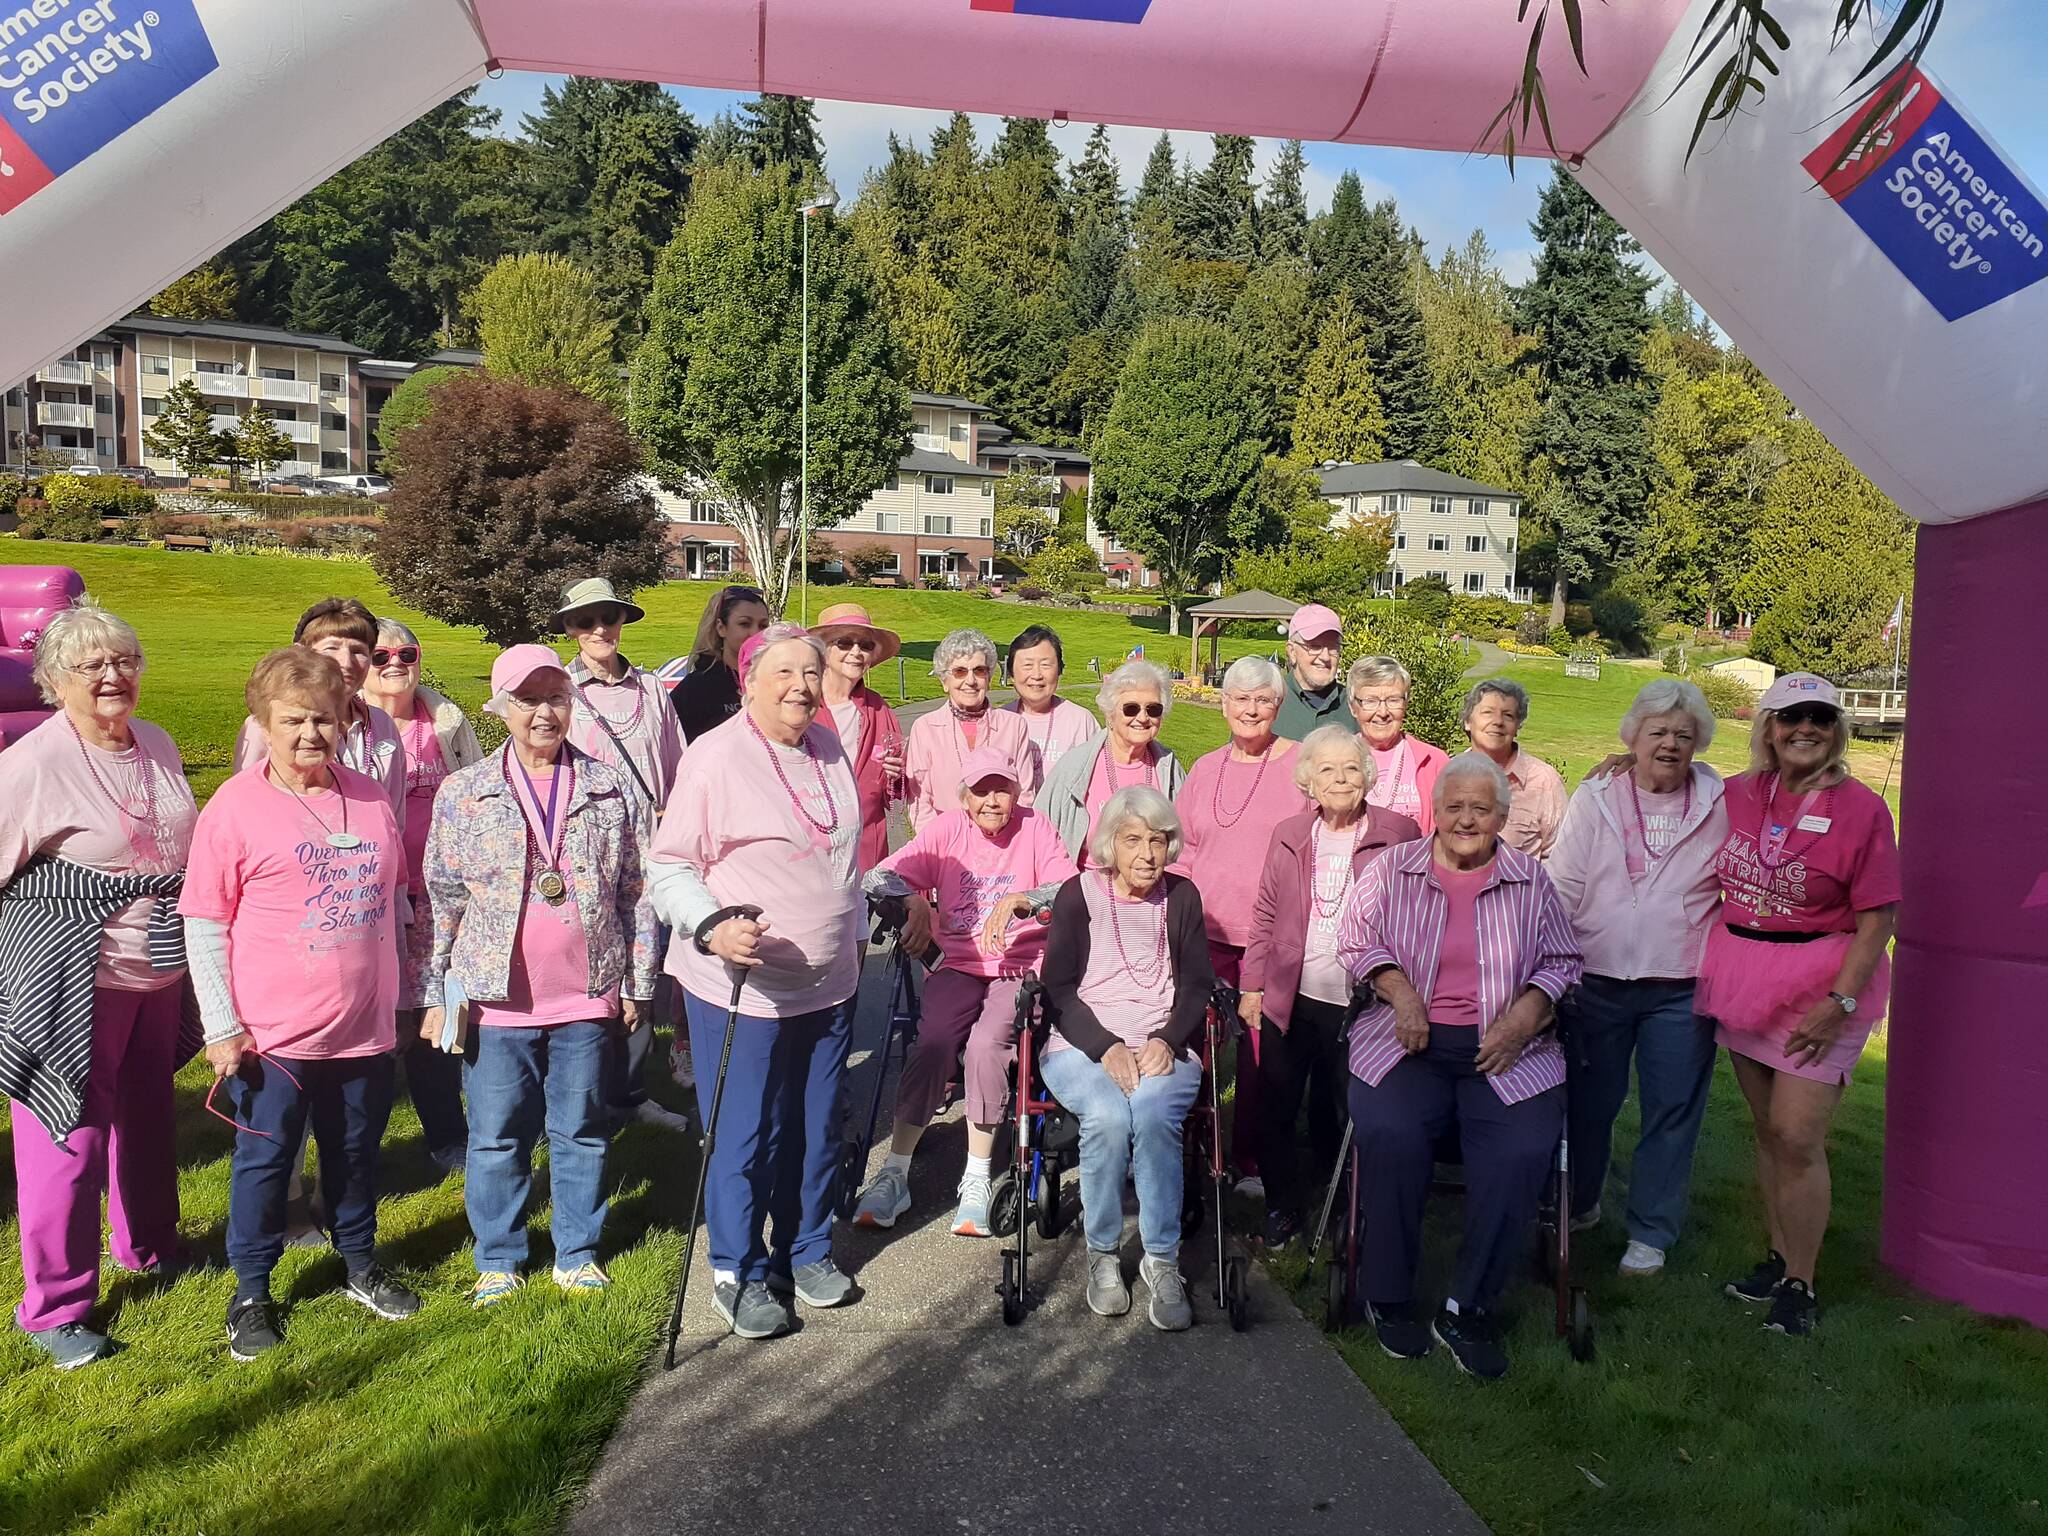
854, 643
231, 1120
1149, 711
404, 655
1809, 714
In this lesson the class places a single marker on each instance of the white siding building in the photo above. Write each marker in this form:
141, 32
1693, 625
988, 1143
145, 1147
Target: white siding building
1444, 525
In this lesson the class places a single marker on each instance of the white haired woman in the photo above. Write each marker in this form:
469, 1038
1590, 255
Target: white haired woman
1127, 977
1294, 989
1634, 866
1495, 711
765, 812
940, 740
1228, 805
1468, 950
1134, 700
438, 741
1404, 765
1796, 972
95, 825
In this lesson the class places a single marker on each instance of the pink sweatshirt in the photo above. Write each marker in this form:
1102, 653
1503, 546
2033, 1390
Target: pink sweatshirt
936, 749
1632, 928
1057, 732
971, 871
1228, 811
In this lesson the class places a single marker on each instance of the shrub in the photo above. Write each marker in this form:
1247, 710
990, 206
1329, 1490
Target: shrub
1484, 615
1578, 618
1428, 600
1533, 628
1064, 568
1674, 660
263, 504
867, 561
1728, 697
99, 495
1559, 638
48, 521
1434, 661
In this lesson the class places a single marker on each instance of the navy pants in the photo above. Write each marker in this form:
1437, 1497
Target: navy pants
346, 1100
1611, 1022
433, 1080
1507, 1149
775, 1164
1303, 1059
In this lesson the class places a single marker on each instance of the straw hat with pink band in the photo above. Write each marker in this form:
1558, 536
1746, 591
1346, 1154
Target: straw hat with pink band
851, 620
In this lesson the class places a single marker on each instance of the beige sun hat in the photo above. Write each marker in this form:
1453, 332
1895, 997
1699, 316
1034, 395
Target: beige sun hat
588, 593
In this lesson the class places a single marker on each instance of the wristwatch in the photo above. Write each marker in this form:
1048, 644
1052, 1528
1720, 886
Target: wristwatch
1846, 1004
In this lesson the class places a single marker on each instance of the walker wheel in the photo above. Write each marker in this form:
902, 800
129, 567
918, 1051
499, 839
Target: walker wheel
1334, 1299
1003, 1204
1048, 1207
1236, 1295
1581, 1331
1012, 1291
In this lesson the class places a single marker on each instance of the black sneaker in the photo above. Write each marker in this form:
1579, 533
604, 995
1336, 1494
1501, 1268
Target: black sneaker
252, 1327
1793, 1310
1473, 1338
381, 1294
1761, 1283
1282, 1228
1400, 1332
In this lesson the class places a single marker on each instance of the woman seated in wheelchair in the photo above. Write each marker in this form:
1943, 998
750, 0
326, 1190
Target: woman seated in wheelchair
1127, 978
988, 864
1467, 948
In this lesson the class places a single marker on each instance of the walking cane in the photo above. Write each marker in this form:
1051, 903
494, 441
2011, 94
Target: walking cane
732, 1019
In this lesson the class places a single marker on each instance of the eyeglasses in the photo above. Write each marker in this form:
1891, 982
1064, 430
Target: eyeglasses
854, 643
249, 1055
603, 616
127, 666
404, 655
1149, 711
1809, 714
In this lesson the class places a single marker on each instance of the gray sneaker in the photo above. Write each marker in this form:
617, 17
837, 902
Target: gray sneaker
1108, 1296
822, 1284
70, 1345
1168, 1309
752, 1310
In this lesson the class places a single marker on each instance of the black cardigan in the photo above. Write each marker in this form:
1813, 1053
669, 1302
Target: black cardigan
1066, 962
707, 698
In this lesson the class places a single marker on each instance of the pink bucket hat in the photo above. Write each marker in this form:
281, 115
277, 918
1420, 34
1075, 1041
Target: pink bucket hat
1311, 620
514, 666
1799, 688
989, 763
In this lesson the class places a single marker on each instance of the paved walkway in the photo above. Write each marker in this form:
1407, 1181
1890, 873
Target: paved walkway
916, 1410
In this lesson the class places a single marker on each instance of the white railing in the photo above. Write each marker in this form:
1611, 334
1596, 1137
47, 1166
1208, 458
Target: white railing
71, 372
222, 423
235, 384
70, 455
296, 390
298, 467
300, 431
55, 413
929, 442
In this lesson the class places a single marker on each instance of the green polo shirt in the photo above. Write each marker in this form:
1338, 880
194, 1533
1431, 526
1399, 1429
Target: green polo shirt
1303, 709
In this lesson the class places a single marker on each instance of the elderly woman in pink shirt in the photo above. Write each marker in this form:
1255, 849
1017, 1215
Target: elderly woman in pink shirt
1496, 709
1634, 866
989, 864
940, 740
1467, 949
765, 812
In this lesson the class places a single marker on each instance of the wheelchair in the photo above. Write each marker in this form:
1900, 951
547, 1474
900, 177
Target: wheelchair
1044, 1143
898, 1033
1553, 1255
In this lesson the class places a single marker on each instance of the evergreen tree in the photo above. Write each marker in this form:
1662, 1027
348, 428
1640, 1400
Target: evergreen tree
1025, 138
1484, 386
260, 443
1340, 238
1385, 295
1691, 332
724, 142
1156, 208
1283, 213
1222, 218
640, 185
1096, 185
927, 325
183, 431
541, 319
958, 217
784, 130
1340, 418
1095, 264
451, 204
1585, 307
1275, 315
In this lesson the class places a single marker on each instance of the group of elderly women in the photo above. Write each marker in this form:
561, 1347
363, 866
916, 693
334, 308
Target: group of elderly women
370, 886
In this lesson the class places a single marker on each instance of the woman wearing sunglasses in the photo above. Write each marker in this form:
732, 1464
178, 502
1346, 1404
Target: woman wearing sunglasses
438, 741
1796, 973
1134, 701
867, 726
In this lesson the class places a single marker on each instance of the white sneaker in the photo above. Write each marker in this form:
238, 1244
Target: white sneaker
1641, 1261
647, 1112
683, 1065
886, 1197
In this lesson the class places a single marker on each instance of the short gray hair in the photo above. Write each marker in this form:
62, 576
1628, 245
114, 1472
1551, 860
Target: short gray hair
1369, 671
1248, 674
1140, 802
773, 636
1669, 696
1474, 764
82, 628
395, 633
963, 642
1506, 687
1323, 740
1132, 675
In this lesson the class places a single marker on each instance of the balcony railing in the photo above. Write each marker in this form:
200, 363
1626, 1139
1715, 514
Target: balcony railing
70, 455
227, 423
928, 442
296, 390
300, 431
68, 372
52, 413
235, 384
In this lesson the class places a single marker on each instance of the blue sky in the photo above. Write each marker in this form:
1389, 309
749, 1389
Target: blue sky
1990, 55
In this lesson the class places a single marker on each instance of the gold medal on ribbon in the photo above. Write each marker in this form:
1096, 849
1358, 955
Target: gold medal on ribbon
552, 886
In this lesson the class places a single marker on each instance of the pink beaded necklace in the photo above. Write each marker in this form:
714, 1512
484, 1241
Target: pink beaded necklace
1232, 818
1327, 909
1158, 969
142, 829
818, 768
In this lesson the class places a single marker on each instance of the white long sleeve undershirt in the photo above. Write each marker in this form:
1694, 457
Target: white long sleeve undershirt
206, 953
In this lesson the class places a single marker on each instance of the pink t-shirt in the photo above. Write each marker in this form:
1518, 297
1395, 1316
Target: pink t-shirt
1056, 732
312, 929
935, 751
135, 819
1228, 811
846, 721
1823, 858
1107, 779
369, 744
425, 768
1127, 985
550, 978
1454, 999
1395, 783
971, 871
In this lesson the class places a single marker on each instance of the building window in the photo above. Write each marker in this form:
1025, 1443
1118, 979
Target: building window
1474, 582
14, 397
938, 485
333, 459
151, 363
103, 359
1440, 505
890, 483
1477, 506
1442, 576
278, 373
942, 526
988, 489
106, 447
1400, 541
331, 382
1475, 543
1390, 501
1511, 543
988, 528
103, 404
203, 366
151, 404
934, 564
958, 432
333, 421
1439, 543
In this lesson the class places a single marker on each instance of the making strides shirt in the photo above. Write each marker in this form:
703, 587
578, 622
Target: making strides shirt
1823, 858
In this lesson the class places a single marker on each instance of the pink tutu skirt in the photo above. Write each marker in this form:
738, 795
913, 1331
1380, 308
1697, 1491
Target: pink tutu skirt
1756, 992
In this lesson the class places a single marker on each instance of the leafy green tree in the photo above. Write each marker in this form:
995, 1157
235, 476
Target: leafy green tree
509, 488
1027, 513
1436, 666
541, 319
1313, 562
716, 393
261, 444
408, 406
929, 334
1485, 387
1339, 417
1276, 316
1821, 512
205, 293
1283, 212
183, 431
1585, 307
1830, 617
1177, 458
783, 130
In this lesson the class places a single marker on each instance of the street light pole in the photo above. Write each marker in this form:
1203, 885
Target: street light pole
803, 495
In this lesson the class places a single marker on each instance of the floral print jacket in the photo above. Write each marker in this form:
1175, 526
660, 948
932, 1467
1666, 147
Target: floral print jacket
477, 878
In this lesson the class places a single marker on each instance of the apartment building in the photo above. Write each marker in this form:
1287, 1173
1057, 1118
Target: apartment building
70, 411
1444, 525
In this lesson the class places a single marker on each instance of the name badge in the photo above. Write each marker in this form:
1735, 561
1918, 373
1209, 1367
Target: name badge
1815, 823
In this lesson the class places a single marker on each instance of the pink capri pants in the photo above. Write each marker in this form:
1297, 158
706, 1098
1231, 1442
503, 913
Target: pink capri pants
978, 1013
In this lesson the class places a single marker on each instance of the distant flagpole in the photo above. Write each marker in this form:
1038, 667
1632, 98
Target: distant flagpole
1895, 631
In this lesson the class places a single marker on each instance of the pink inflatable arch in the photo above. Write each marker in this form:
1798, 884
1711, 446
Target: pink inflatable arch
1899, 303
30, 596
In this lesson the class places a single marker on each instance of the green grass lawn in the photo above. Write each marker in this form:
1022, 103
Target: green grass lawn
1904, 1416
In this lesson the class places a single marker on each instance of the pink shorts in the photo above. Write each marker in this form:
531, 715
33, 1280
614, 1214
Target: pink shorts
1756, 992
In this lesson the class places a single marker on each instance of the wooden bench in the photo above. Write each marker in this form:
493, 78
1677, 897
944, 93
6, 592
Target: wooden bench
198, 541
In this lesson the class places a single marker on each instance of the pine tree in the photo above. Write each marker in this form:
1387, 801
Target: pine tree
1340, 238
724, 142
1024, 138
1276, 317
1096, 183
1283, 213
958, 219
261, 444
784, 130
1385, 295
1485, 388
1222, 209
1340, 418
183, 431
1156, 207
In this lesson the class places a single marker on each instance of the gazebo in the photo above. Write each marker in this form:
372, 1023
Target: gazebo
1254, 605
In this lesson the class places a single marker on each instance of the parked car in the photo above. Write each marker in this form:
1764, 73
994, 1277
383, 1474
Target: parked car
355, 485
141, 474
291, 485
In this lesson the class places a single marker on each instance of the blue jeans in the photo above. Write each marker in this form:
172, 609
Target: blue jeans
775, 1160
1141, 1133
521, 1081
347, 1100
1608, 1021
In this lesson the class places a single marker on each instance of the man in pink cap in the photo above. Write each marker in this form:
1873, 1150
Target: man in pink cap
987, 865
1315, 693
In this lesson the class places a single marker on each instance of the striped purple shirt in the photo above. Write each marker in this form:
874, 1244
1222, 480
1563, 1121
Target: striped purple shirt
1395, 916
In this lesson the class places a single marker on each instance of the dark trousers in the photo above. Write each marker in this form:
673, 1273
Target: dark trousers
347, 1101
625, 1070
769, 1195
1507, 1150
1303, 1059
433, 1081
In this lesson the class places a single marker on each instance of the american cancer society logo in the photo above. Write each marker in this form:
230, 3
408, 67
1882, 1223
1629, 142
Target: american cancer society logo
1939, 200
1132, 11
77, 74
